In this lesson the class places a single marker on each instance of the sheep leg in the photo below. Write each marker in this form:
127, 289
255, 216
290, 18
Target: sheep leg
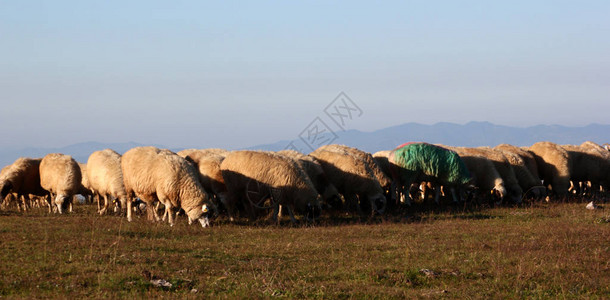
106, 204
24, 203
99, 204
423, 187
48, 198
129, 208
229, 203
406, 196
453, 195
169, 213
437, 194
373, 207
291, 214
277, 213
155, 210
165, 212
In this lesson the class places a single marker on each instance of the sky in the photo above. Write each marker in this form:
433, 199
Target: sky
235, 74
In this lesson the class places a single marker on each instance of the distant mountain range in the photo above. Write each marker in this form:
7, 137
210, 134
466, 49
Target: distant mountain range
472, 134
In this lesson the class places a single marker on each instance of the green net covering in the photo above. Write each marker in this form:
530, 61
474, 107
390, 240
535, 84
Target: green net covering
431, 160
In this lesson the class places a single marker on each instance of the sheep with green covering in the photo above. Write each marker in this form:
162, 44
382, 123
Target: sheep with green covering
416, 162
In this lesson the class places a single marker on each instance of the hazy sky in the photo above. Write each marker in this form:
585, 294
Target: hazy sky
235, 74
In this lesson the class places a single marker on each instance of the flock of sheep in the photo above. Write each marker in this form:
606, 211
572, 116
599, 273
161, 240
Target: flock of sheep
207, 182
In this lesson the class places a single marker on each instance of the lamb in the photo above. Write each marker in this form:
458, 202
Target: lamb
252, 177
208, 161
354, 179
106, 178
22, 179
416, 162
484, 175
554, 166
61, 177
316, 174
154, 174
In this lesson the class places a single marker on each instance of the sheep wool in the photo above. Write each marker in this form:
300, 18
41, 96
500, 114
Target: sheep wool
60, 175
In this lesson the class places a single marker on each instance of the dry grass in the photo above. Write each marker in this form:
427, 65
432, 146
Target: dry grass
541, 251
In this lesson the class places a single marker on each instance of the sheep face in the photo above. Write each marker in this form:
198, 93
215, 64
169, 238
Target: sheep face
201, 214
62, 202
378, 203
498, 193
204, 220
331, 196
313, 212
308, 203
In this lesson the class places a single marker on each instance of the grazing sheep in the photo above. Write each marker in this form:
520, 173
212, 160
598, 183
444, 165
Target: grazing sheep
316, 174
554, 166
208, 161
137, 177
61, 177
252, 177
484, 175
514, 192
177, 186
154, 174
417, 162
382, 160
106, 178
383, 179
22, 179
526, 155
527, 181
354, 179
603, 153
588, 165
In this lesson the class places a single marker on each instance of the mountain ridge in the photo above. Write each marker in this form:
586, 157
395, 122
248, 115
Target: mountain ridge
471, 134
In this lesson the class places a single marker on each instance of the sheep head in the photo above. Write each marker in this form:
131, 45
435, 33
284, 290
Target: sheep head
5, 188
378, 203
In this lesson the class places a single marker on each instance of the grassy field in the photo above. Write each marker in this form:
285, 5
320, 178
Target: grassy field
539, 251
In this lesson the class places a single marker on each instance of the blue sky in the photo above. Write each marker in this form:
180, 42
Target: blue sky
231, 74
